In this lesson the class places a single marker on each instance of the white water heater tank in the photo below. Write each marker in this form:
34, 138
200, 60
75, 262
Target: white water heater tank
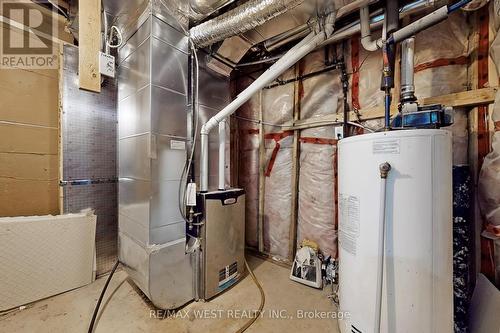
417, 288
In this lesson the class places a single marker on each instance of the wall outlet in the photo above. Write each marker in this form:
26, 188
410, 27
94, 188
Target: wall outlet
339, 132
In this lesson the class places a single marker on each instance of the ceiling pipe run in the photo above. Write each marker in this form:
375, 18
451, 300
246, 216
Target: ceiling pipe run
425, 22
304, 47
377, 18
303, 30
241, 19
309, 43
366, 35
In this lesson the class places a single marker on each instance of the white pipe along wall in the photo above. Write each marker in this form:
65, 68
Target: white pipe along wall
289, 59
222, 155
308, 44
366, 36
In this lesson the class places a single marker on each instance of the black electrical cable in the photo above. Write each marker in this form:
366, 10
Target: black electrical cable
98, 305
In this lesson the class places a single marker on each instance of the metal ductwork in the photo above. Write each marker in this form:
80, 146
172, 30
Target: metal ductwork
239, 20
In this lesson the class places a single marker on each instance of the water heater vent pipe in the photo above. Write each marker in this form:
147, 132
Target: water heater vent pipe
408, 70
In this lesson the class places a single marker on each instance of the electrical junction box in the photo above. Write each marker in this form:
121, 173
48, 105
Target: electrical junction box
106, 64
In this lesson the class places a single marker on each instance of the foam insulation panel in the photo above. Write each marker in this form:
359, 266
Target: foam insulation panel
42, 256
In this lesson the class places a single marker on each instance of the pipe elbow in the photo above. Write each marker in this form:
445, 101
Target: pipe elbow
366, 35
204, 130
371, 45
209, 125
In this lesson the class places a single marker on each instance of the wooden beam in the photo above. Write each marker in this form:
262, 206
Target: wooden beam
313, 122
60, 36
470, 98
90, 45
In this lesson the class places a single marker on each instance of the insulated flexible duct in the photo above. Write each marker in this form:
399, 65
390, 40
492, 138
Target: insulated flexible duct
239, 20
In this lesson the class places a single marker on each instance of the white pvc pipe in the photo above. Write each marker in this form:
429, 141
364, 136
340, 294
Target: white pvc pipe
309, 43
204, 162
222, 155
366, 35
425, 22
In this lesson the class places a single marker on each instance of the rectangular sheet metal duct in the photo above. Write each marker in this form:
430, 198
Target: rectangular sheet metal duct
152, 140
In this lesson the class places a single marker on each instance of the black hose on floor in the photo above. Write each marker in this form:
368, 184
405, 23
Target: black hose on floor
241, 330
98, 305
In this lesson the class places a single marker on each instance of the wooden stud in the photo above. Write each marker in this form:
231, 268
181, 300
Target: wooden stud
61, 143
297, 93
483, 134
262, 179
473, 144
90, 45
234, 163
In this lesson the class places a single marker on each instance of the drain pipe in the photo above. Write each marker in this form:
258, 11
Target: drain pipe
222, 155
301, 31
366, 35
296, 53
384, 169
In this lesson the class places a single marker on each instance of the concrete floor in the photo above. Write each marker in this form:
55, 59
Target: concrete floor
127, 310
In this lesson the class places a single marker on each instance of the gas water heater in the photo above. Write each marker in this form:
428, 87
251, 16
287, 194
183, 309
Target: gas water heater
400, 180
